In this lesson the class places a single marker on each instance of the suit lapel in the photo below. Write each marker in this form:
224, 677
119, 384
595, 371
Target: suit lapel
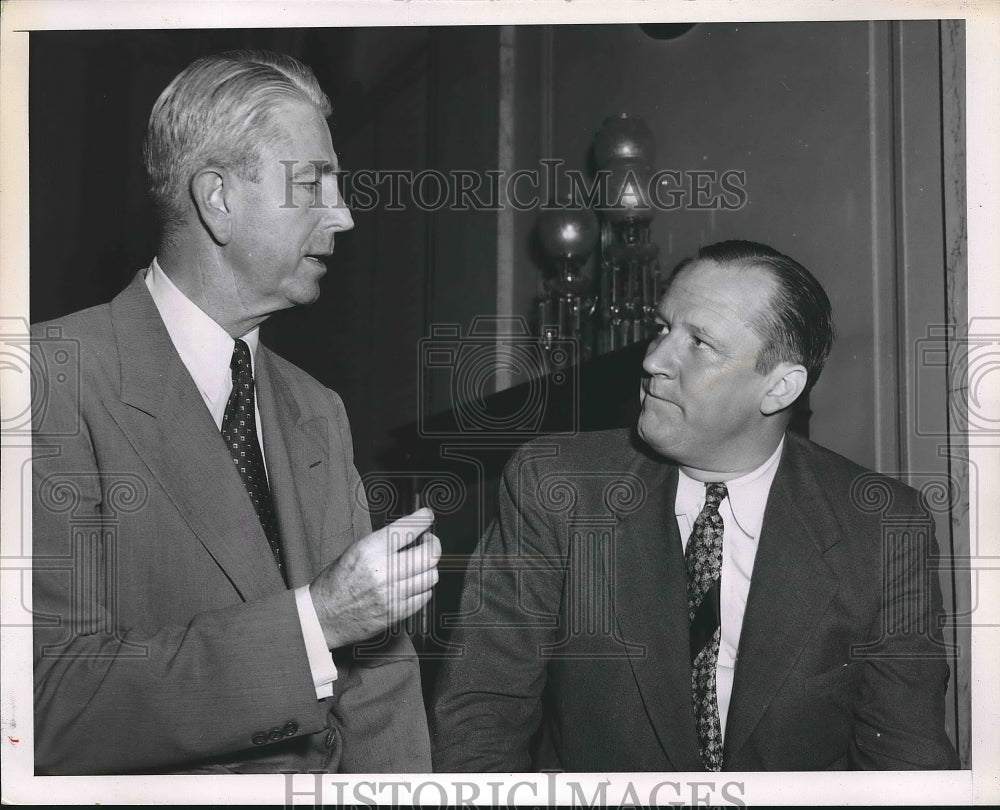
165, 419
298, 464
790, 589
649, 600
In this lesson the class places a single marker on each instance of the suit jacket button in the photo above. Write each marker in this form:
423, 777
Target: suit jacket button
259, 738
275, 734
290, 728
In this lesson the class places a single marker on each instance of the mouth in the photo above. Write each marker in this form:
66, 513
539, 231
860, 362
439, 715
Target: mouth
324, 252
316, 259
648, 394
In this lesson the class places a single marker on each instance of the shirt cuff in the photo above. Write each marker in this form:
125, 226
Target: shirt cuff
324, 671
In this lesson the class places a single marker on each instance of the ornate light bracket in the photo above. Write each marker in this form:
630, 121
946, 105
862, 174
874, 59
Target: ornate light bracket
620, 308
568, 235
624, 151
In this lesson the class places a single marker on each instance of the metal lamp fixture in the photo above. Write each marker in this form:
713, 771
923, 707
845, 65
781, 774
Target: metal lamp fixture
625, 150
568, 235
620, 307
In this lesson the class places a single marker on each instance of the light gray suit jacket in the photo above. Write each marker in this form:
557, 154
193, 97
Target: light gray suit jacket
165, 638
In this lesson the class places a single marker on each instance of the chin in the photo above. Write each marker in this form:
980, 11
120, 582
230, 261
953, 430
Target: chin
654, 432
303, 294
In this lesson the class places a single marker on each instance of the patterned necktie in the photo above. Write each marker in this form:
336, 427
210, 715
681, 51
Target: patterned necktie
703, 556
239, 429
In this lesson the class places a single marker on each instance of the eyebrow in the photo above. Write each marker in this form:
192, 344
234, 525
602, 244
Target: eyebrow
701, 331
694, 328
308, 170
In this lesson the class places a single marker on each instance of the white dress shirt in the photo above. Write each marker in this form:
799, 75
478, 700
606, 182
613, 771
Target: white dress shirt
742, 515
206, 350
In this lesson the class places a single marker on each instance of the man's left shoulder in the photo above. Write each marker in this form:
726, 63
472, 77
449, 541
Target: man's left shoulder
837, 474
305, 388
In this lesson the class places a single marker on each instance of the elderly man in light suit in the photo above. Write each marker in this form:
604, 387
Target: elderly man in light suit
708, 592
208, 594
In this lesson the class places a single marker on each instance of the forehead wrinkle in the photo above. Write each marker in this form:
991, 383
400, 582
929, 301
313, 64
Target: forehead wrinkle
706, 315
298, 123
732, 306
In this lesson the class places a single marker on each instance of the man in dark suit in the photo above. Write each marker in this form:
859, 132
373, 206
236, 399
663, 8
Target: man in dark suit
208, 593
708, 592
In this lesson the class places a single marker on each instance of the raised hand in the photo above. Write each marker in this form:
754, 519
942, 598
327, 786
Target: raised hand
380, 580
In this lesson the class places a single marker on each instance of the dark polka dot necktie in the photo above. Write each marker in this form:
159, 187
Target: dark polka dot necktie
239, 429
703, 556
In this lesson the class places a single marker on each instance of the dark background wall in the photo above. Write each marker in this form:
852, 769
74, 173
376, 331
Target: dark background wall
839, 128
796, 106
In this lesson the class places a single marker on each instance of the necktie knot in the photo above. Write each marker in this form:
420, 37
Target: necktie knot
715, 494
240, 362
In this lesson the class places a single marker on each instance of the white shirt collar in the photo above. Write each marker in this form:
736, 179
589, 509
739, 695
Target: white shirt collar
206, 349
747, 494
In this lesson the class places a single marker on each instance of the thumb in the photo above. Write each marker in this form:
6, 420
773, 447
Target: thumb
404, 531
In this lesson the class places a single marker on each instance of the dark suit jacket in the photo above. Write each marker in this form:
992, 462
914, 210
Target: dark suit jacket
165, 638
572, 644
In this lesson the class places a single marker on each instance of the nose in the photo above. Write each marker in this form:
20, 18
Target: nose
661, 357
340, 218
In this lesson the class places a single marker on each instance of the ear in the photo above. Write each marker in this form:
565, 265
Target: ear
209, 192
785, 382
